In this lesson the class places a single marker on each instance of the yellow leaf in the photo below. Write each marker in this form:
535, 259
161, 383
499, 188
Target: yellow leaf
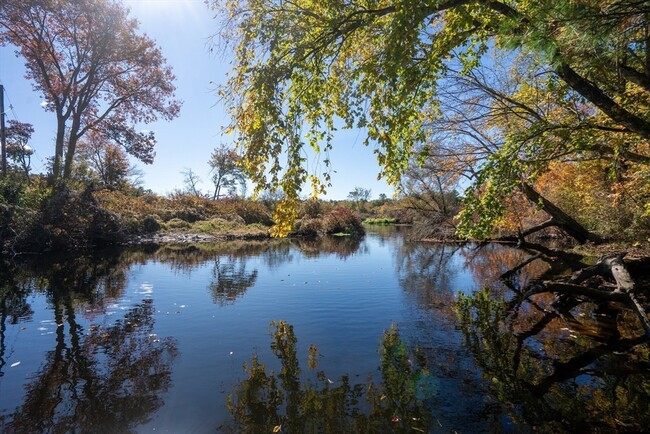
277, 428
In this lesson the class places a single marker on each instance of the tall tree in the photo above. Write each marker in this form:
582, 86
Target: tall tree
226, 170
359, 196
378, 65
191, 182
18, 149
93, 68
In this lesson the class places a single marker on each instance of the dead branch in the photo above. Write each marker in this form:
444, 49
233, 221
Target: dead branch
611, 264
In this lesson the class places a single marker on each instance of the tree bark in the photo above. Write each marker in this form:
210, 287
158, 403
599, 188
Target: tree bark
561, 219
58, 149
601, 100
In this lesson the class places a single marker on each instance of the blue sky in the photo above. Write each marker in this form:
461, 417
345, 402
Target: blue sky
181, 28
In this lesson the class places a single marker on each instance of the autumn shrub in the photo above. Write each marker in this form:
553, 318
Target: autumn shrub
21, 205
399, 210
177, 223
151, 224
71, 219
250, 211
342, 220
605, 201
215, 225
234, 218
310, 208
307, 227
132, 210
380, 221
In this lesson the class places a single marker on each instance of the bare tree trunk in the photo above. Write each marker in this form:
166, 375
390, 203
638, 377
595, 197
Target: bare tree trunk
72, 147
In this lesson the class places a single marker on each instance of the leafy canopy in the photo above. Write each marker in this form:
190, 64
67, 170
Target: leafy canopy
305, 67
93, 68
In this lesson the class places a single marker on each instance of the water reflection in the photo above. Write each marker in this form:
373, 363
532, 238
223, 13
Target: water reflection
427, 272
582, 370
341, 247
287, 402
108, 380
584, 373
105, 362
184, 258
95, 379
230, 279
14, 307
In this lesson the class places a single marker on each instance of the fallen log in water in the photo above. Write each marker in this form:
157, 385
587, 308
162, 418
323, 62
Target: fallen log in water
608, 265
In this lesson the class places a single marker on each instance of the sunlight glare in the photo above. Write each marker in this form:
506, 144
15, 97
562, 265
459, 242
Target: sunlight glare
167, 6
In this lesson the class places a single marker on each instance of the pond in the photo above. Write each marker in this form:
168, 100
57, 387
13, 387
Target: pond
338, 335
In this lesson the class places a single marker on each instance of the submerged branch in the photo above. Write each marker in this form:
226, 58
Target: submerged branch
611, 264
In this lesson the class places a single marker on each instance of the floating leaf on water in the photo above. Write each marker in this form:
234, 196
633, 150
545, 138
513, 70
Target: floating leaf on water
15, 364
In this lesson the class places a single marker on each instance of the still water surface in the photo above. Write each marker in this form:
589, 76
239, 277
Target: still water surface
154, 341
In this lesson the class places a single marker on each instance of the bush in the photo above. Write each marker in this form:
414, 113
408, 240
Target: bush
311, 209
380, 221
20, 206
184, 207
151, 224
342, 220
251, 212
71, 220
215, 225
307, 227
177, 223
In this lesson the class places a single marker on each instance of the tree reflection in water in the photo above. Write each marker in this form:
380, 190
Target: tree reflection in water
266, 402
342, 247
584, 370
103, 379
560, 374
426, 272
14, 306
230, 279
